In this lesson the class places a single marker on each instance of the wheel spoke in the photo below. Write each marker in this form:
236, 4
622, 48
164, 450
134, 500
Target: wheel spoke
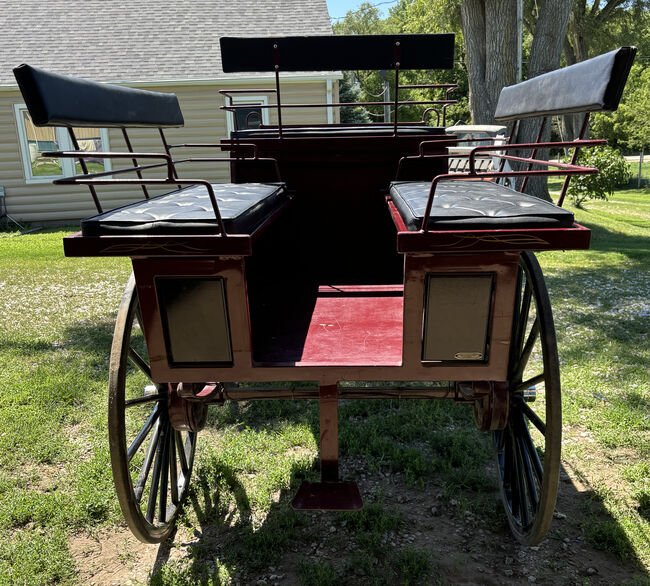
164, 469
173, 472
515, 497
523, 317
531, 415
531, 382
155, 479
139, 362
146, 464
145, 399
144, 432
138, 315
181, 452
531, 487
526, 351
532, 452
521, 487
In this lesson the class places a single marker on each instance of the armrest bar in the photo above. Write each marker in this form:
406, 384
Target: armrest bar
534, 145
113, 155
223, 147
235, 107
492, 175
88, 180
421, 86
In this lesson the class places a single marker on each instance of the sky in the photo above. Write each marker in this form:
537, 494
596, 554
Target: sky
338, 8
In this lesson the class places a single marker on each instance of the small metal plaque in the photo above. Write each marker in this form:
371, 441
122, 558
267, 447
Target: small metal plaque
468, 356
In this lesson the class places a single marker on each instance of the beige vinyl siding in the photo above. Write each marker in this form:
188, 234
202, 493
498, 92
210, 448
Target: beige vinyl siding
204, 122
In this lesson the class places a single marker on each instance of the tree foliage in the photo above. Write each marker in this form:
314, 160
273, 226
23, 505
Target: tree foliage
613, 171
410, 16
629, 126
594, 27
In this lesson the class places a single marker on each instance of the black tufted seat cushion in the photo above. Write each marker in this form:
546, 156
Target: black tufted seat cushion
474, 205
187, 211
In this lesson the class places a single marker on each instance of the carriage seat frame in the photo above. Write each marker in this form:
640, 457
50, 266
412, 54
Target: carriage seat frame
63, 101
601, 81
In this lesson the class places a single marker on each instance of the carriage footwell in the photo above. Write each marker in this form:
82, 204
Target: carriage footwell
348, 326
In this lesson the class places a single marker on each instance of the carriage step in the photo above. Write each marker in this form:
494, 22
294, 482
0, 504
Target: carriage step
328, 496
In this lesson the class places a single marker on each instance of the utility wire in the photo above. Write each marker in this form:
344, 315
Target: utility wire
364, 9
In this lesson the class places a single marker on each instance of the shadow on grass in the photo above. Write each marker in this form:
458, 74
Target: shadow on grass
93, 338
230, 536
588, 522
603, 240
607, 303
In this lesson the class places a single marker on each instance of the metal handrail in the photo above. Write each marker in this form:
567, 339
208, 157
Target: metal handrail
562, 169
98, 178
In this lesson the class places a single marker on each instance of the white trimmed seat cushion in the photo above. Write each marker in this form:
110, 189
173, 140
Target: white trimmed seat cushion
243, 207
474, 205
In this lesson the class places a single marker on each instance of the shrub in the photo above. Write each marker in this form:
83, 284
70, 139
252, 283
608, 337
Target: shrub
613, 171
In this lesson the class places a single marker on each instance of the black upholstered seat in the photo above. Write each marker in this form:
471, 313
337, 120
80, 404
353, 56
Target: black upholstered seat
187, 211
474, 205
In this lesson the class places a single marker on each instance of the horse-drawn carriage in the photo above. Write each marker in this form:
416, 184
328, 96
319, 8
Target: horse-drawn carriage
346, 256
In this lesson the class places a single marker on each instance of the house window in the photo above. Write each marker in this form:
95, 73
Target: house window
35, 140
251, 117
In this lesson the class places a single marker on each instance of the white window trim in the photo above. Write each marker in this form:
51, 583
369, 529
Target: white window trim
252, 101
67, 165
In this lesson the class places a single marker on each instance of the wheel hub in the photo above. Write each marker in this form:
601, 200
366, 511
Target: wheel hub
491, 410
185, 415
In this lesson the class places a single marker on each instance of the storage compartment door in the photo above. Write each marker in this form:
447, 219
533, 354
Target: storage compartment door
195, 320
457, 317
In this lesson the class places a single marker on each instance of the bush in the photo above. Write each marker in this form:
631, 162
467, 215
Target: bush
613, 171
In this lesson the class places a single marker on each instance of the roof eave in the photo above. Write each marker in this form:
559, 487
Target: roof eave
301, 77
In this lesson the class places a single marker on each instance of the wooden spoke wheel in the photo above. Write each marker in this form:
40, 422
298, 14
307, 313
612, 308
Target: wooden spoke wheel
151, 458
528, 449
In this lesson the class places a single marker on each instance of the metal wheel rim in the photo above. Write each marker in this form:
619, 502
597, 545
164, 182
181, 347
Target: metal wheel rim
529, 484
157, 443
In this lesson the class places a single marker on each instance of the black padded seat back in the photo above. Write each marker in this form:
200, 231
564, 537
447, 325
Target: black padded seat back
591, 85
60, 100
474, 205
337, 52
243, 207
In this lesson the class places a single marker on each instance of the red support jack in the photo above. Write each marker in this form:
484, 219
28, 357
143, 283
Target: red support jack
330, 494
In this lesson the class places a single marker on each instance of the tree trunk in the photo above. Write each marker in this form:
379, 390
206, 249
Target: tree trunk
545, 54
490, 33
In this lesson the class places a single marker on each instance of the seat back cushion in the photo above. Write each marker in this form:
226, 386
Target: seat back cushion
591, 85
337, 52
60, 100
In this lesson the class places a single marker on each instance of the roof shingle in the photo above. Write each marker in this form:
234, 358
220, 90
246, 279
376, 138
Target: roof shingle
143, 41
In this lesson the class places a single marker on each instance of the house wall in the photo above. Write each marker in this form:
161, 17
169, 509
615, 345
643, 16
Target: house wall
204, 122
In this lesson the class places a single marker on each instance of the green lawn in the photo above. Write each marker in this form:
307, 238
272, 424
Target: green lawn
56, 320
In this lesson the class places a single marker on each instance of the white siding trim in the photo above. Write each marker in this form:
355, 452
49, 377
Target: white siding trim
330, 100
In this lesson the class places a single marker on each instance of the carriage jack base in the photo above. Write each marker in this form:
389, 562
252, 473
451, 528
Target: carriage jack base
330, 494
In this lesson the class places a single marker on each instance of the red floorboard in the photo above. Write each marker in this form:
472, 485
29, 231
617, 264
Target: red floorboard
354, 331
